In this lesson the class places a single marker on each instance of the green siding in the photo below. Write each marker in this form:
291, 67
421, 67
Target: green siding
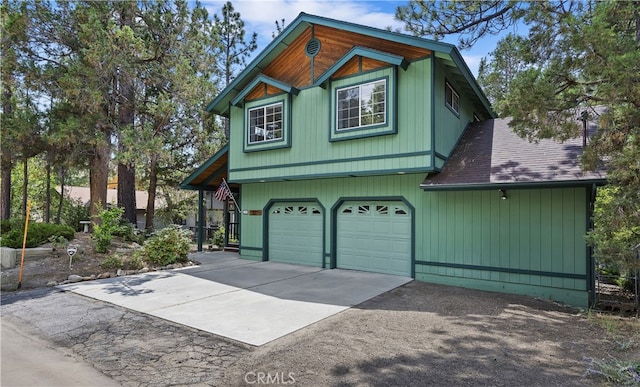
448, 126
526, 244
312, 154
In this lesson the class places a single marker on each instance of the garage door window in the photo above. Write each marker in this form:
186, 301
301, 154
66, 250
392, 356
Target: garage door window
373, 210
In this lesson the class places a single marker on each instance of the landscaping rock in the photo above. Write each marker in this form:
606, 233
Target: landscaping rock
52, 283
74, 278
104, 275
143, 270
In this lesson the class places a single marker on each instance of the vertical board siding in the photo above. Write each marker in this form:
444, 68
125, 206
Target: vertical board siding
449, 126
536, 229
312, 153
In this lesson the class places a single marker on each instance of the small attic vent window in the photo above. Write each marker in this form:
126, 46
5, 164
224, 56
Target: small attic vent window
312, 48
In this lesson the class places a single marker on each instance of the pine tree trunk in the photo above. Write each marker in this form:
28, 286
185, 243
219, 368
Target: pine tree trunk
5, 194
98, 178
7, 162
153, 185
126, 114
47, 206
127, 192
59, 213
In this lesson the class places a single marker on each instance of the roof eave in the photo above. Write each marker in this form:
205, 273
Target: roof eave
513, 185
220, 104
186, 183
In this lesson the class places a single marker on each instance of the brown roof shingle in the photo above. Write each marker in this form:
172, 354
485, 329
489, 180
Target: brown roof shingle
491, 154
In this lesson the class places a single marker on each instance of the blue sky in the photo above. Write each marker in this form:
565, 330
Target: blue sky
260, 16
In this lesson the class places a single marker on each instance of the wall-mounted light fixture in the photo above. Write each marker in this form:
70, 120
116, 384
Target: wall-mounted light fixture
503, 194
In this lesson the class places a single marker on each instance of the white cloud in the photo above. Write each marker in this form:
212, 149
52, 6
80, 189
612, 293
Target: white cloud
260, 16
473, 61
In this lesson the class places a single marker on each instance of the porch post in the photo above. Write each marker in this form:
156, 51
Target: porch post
226, 223
200, 218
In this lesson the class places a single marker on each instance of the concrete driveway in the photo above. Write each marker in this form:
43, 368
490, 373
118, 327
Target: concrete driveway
252, 302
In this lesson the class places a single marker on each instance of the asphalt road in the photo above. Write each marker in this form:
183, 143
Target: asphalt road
61, 338
418, 334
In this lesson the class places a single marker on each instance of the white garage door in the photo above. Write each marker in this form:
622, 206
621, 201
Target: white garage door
374, 236
295, 233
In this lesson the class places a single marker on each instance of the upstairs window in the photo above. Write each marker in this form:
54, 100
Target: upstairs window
451, 99
361, 105
265, 123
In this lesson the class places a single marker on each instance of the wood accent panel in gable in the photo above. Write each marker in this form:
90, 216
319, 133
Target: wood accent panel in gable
336, 43
293, 66
372, 64
259, 92
351, 67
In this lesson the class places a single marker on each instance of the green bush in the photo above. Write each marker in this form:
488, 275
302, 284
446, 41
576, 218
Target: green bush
112, 262
73, 211
218, 237
136, 262
109, 225
129, 233
167, 246
37, 234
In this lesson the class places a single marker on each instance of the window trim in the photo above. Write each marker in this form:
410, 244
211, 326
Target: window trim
284, 100
360, 86
266, 131
449, 86
390, 127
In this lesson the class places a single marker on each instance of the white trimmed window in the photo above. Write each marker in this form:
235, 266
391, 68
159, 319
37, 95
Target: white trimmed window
361, 105
265, 123
451, 98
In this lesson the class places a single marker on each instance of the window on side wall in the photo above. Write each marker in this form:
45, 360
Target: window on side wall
265, 123
451, 99
361, 105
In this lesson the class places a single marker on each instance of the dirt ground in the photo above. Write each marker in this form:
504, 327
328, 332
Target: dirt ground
38, 271
426, 334
418, 334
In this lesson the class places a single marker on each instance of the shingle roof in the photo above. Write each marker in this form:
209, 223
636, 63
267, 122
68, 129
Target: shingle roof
490, 154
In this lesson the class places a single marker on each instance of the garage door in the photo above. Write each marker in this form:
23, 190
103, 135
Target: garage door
295, 233
374, 236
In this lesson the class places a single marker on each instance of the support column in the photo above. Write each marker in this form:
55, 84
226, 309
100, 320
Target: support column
200, 218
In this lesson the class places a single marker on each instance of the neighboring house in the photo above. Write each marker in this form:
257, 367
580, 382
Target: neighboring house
83, 195
353, 147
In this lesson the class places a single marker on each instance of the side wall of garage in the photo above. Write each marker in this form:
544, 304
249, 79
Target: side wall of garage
532, 243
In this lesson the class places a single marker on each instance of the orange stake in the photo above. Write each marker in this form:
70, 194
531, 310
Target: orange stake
24, 243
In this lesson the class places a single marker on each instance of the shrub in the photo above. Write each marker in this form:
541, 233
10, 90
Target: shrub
108, 226
37, 234
136, 262
59, 242
112, 262
129, 233
167, 246
218, 237
73, 211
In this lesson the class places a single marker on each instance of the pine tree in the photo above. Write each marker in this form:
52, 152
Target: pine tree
577, 57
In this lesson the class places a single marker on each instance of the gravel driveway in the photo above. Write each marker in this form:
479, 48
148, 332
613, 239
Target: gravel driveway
418, 334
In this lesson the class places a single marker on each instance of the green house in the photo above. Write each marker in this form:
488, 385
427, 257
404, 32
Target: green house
358, 148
